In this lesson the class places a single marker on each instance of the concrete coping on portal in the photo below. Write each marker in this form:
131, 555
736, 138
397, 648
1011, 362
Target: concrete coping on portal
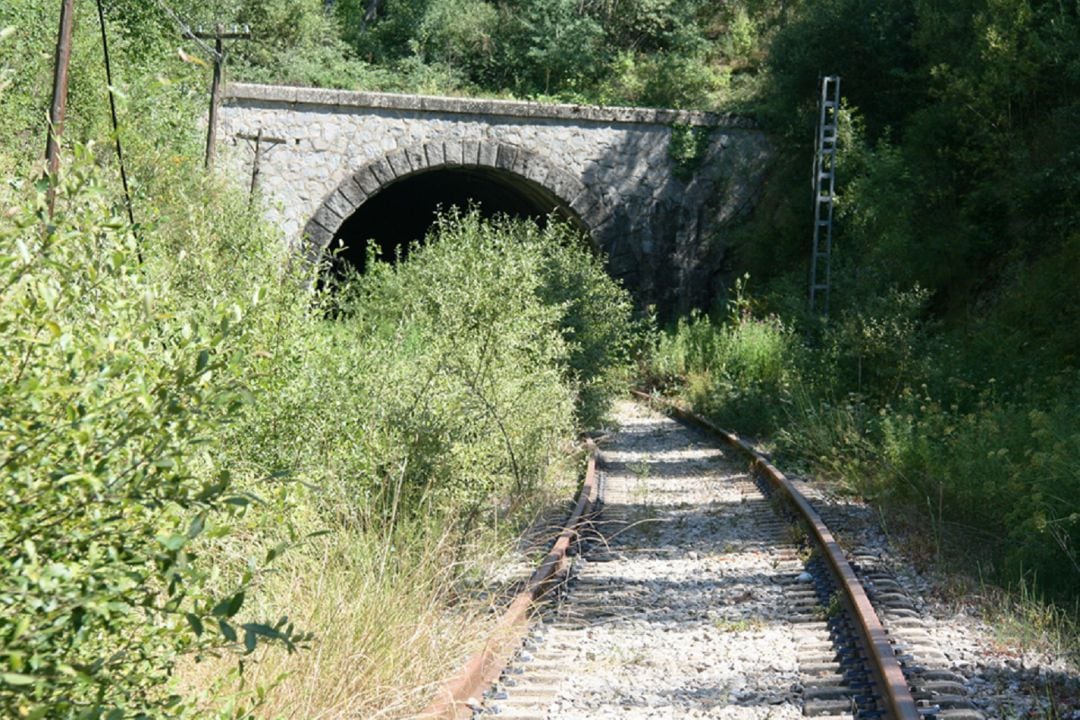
289, 95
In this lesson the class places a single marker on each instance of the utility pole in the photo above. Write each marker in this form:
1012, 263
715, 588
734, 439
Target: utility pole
59, 98
219, 35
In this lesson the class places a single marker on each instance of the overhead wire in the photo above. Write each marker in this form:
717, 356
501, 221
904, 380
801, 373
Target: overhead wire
189, 34
115, 122
186, 29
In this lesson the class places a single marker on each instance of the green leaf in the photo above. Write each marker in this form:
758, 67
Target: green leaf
202, 361
173, 542
229, 606
227, 631
17, 679
196, 623
236, 603
197, 525
21, 626
249, 640
275, 551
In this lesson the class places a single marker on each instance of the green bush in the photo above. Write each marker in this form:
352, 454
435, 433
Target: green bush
879, 347
873, 400
476, 352
1002, 468
111, 487
170, 425
410, 405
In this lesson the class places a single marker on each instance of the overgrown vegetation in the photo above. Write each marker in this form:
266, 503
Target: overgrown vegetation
945, 381
652, 52
170, 430
191, 438
110, 396
204, 458
682, 53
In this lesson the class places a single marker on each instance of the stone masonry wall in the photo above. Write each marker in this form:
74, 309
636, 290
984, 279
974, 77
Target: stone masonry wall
662, 231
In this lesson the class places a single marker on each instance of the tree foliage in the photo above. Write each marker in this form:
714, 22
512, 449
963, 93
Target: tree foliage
949, 358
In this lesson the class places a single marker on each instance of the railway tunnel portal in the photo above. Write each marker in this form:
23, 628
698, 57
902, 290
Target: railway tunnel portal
656, 191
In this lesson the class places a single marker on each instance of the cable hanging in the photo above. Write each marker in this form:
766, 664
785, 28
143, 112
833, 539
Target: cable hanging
185, 28
115, 123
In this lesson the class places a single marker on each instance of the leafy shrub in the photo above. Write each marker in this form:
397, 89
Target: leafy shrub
595, 320
1001, 467
155, 405
480, 345
687, 149
110, 490
416, 401
880, 346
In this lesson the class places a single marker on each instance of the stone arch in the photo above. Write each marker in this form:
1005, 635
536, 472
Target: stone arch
587, 208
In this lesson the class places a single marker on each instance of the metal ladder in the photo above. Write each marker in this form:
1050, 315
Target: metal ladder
824, 192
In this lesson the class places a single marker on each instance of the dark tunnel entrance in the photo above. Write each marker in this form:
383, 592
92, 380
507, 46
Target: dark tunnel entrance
404, 210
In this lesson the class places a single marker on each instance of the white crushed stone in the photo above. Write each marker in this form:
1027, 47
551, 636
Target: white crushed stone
682, 615
700, 631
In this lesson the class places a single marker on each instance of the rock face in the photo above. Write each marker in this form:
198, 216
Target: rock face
661, 222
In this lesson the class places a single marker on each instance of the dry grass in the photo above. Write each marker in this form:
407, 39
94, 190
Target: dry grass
1044, 631
386, 623
391, 620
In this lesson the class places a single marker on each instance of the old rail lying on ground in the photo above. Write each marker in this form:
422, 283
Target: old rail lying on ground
892, 685
452, 699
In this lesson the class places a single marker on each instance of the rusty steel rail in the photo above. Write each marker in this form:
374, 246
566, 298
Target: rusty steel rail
879, 652
485, 666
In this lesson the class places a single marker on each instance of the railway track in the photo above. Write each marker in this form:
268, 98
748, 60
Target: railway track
705, 590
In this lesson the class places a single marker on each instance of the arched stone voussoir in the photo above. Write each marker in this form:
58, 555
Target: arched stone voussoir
530, 165
398, 160
434, 154
416, 158
314, 240
326, 217
366, 180
382, 171
341, 203
354, 195
536, 168
505, 156
564, 185
376, 175
487, 153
